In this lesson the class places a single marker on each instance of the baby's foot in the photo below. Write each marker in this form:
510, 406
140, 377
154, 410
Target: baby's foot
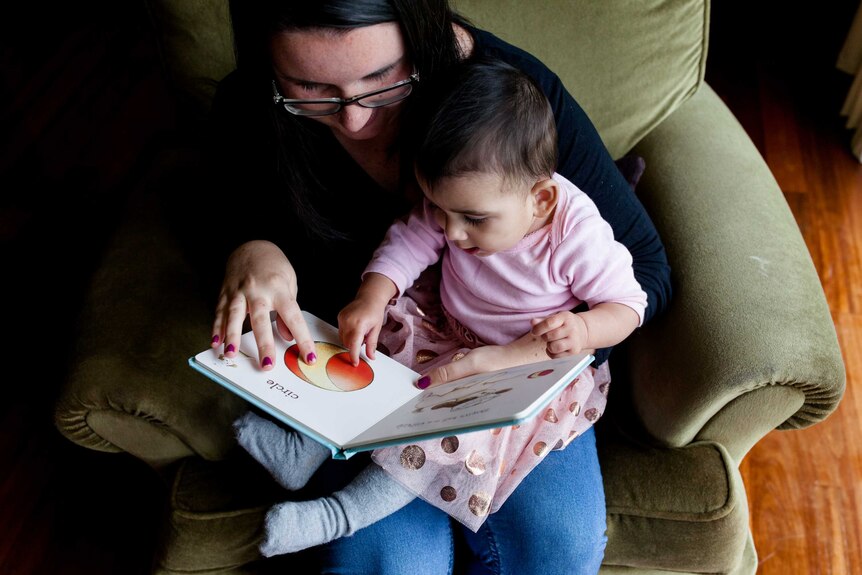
293, 526
290, 457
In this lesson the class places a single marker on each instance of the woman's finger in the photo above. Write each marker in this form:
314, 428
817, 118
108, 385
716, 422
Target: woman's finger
235, 316
294, 323
261, 325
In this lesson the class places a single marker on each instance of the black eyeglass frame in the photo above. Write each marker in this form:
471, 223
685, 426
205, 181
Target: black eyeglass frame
288, 103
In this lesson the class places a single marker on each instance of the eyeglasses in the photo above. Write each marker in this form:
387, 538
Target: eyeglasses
327, 106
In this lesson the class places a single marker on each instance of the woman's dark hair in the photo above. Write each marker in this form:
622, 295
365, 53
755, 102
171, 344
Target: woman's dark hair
486, 117
430, 42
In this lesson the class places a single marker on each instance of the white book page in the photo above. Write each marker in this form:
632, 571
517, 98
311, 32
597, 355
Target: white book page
331, 398
477, 402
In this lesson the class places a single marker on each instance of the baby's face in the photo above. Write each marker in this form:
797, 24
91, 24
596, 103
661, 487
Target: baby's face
483, 213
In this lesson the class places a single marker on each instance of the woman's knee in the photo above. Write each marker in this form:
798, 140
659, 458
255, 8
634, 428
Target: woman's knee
570, 541
554, 521
416, 539
582, 545
547, 547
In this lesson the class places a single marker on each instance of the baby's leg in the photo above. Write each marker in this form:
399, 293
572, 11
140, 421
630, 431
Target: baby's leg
293, 526
289, 456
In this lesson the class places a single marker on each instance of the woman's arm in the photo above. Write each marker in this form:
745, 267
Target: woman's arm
585, 161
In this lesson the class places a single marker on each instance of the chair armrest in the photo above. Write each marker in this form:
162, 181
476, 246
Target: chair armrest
130, 387
748, 312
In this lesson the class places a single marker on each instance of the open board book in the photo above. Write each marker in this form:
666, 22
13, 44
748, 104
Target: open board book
376, 404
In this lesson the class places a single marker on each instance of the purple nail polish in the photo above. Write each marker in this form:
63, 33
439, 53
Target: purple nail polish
311, 357
267, 361
423, 382
215, 339
230, 348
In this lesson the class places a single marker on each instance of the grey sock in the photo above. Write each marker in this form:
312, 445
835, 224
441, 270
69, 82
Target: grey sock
371, 496
289, 456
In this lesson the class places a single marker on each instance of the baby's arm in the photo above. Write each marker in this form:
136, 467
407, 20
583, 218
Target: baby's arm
408, 248
567, 333
360, 321
563, 333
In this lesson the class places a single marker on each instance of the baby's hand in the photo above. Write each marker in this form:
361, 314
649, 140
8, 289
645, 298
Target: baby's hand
362, 319
565, 333
360, 322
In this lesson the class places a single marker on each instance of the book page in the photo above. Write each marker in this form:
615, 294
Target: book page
481, 401
331, 400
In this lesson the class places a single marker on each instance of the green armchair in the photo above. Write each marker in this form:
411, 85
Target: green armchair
746, 346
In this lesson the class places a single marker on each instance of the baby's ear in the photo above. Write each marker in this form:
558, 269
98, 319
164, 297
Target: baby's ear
545, 194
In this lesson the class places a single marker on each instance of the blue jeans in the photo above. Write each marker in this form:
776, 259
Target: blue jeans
554, 522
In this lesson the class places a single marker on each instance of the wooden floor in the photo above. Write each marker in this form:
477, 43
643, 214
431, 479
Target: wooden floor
805, 486
79, 116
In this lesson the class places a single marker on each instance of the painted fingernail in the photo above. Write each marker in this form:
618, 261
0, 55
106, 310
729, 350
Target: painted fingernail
310, 358
230, 348
423, 382
215, 339
267, 361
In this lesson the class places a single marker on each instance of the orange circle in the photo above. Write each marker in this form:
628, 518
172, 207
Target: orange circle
315, 373
346, 376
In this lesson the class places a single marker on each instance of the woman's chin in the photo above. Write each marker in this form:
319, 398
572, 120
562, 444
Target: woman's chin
369, 131
361, 136
382, 124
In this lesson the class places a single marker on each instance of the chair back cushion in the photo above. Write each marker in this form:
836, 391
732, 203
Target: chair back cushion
628, 63
195, 41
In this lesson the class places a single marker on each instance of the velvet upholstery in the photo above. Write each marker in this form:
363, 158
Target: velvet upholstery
628, 64
746, 346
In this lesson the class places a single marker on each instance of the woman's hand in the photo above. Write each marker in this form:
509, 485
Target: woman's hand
258, 280
526, 349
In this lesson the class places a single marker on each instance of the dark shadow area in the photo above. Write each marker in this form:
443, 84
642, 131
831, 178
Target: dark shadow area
83, 108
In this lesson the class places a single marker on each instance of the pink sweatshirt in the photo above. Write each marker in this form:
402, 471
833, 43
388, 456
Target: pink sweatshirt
571, 260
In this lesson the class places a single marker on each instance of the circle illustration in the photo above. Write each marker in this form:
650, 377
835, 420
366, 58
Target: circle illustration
542, 373
332, 371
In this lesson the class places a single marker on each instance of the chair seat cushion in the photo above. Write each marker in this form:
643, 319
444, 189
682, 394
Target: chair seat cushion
676, 509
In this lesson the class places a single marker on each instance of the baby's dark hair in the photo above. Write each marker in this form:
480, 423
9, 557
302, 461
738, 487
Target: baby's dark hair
487, 117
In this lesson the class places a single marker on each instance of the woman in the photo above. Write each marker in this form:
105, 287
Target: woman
303, 172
